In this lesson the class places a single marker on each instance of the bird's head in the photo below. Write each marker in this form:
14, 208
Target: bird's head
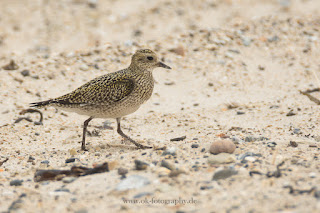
146, 59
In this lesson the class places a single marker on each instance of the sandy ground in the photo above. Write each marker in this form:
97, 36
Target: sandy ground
238, 67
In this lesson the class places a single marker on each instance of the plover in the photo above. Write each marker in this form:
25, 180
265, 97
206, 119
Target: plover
113, 95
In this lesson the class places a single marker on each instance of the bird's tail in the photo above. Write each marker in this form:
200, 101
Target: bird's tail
41, 104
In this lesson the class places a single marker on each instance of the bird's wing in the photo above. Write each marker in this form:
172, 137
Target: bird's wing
102, 90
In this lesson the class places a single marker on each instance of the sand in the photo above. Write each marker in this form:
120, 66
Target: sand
238, 69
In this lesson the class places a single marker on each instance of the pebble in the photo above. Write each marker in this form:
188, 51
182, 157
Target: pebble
68, 179
317, 194
132, 182
45, 162
170, 151
162, 171
70, 160
25, 73
84, 67
293, 144
31, 159
72, 152
222, 146
81, 211
178, 138
167, 165
176, 173
224, 173
140, 165
243, 157
221, 158
122, 171
240, 112
252, 138
16, 182
271, 144
195, 145
312, 175
296, 131
246, 41
62, 190
249, 158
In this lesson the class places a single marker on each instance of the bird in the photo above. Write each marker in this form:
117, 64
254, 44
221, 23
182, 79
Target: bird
112, 95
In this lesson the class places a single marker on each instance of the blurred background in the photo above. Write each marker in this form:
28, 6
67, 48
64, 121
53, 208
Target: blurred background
55, 26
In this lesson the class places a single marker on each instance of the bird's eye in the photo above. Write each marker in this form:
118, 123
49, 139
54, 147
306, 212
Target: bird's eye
150, 58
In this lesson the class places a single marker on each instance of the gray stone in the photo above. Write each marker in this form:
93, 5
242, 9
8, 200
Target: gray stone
170, 151
167, 165
68, 179
224, 173
132, 182
221, 158
16, 182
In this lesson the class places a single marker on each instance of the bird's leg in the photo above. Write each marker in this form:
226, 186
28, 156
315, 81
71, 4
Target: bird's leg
128, 138
85, 125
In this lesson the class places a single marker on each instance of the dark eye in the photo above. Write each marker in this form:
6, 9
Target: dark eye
150, 58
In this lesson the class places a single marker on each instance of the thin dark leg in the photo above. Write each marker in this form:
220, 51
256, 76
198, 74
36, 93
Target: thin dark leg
128, 138
85, 125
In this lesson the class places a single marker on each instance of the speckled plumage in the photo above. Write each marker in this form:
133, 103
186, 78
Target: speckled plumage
113, 95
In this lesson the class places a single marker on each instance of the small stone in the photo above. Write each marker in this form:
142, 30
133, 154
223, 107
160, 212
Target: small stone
62, 190
229, 55
84, 67
317, 194
45, 162
92, 3
291, 113
250, 159
246, 41
195, 145
70, 160
162, 171
170, 151
132, 182
240, 113
25, 73
273, 39
68, 179
16, 182
271, 144
82, 211
248, 154
222, 158
224, 173
312, 175
222, 146
176, 173
122, 171
293, 144
140, 165
31, 159
249, 139
167, 165
72, 152
296, 131
178, 138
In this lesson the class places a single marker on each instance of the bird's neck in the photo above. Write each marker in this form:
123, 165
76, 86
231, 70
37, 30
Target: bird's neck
140, 70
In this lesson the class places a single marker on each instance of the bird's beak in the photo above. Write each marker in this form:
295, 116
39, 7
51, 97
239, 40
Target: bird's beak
160, 64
